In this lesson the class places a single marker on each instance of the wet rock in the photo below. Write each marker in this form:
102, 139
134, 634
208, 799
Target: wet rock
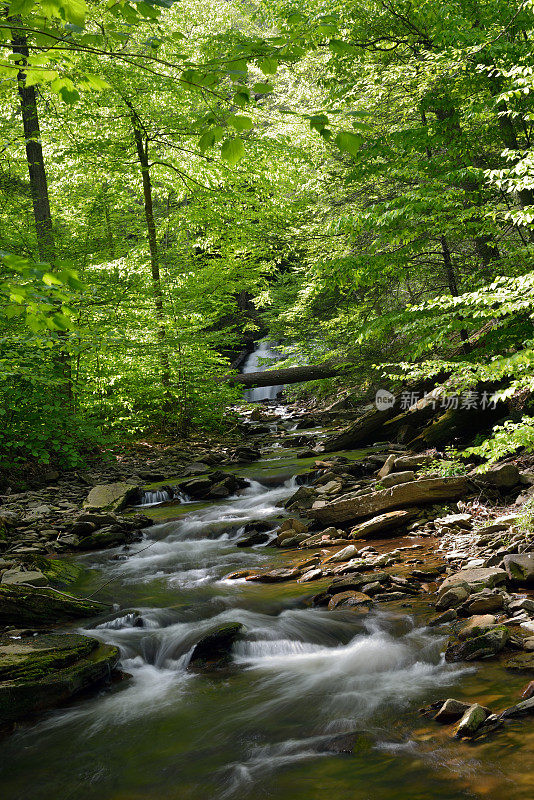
453, 597
31, 605
241, 573
253, 539
350, 507
451, 711
447, 616
474, 717
15, 577
214, 650
525, 707
275, 576
396, 478
476, 626
38, 673
343, 555
476, 578
521, 604
111, 496
303, 498
488, 644
311, 575
382, 523
524, 662
355, 582
520, 568
345, 744
349, 599
484, 602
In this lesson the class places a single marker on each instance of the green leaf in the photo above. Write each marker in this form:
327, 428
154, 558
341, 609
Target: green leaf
262, 88
240, 123
268, 65
349, 142
51, 280
35, 77
20, 7
210, 137
232, 151
341, 48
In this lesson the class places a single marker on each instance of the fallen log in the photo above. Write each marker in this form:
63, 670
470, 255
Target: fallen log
281, 377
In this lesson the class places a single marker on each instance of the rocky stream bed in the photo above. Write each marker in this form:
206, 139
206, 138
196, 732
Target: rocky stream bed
271, 619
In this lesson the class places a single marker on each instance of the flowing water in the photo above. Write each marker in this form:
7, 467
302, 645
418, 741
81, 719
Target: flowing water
264, 728
262, 358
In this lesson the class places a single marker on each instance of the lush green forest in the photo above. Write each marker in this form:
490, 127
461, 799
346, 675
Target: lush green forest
353, 180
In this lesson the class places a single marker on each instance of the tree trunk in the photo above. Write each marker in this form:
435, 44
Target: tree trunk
35, 158
280, 377
44, 232
141, 144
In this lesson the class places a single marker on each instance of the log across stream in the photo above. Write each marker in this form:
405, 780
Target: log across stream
304, 685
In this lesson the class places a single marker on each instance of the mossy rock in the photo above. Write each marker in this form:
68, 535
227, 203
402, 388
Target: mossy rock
38, 673
58, 571
31, 605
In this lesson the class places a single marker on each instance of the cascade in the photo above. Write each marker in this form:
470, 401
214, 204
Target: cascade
254, 363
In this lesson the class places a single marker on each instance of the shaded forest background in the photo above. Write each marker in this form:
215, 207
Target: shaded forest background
178, 180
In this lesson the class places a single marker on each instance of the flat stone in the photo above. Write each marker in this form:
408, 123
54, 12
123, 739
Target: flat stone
32, 605
40, 672
13, 577
477, 625
311, 575
275, 576
478, 578
349, 599
525, 707
523, 662
484, 602
396, 478
110, 496
343, 555
383, 522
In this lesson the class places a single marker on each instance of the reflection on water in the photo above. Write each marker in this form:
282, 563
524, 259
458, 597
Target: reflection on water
301, 676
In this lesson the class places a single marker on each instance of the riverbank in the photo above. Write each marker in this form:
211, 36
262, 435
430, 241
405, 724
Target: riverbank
314, 559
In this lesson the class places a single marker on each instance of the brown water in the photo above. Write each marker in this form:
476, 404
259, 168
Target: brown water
301, 676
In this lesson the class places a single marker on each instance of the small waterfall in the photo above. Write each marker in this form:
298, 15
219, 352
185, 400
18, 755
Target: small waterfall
164, 495
252, 364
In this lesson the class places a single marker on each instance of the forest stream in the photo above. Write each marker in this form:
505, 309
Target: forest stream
302, 681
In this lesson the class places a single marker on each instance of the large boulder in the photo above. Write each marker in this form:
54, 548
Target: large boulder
503, 476
520, 568
427, 490
476, 578
486, 645
31, 605
214, 650
111, 496
39, 672
383, 522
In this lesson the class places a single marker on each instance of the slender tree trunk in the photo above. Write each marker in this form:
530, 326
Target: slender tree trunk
44, 232
141, 145
34, 154
453, 284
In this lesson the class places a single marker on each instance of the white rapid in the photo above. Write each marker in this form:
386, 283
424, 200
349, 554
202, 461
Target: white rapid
255, 362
